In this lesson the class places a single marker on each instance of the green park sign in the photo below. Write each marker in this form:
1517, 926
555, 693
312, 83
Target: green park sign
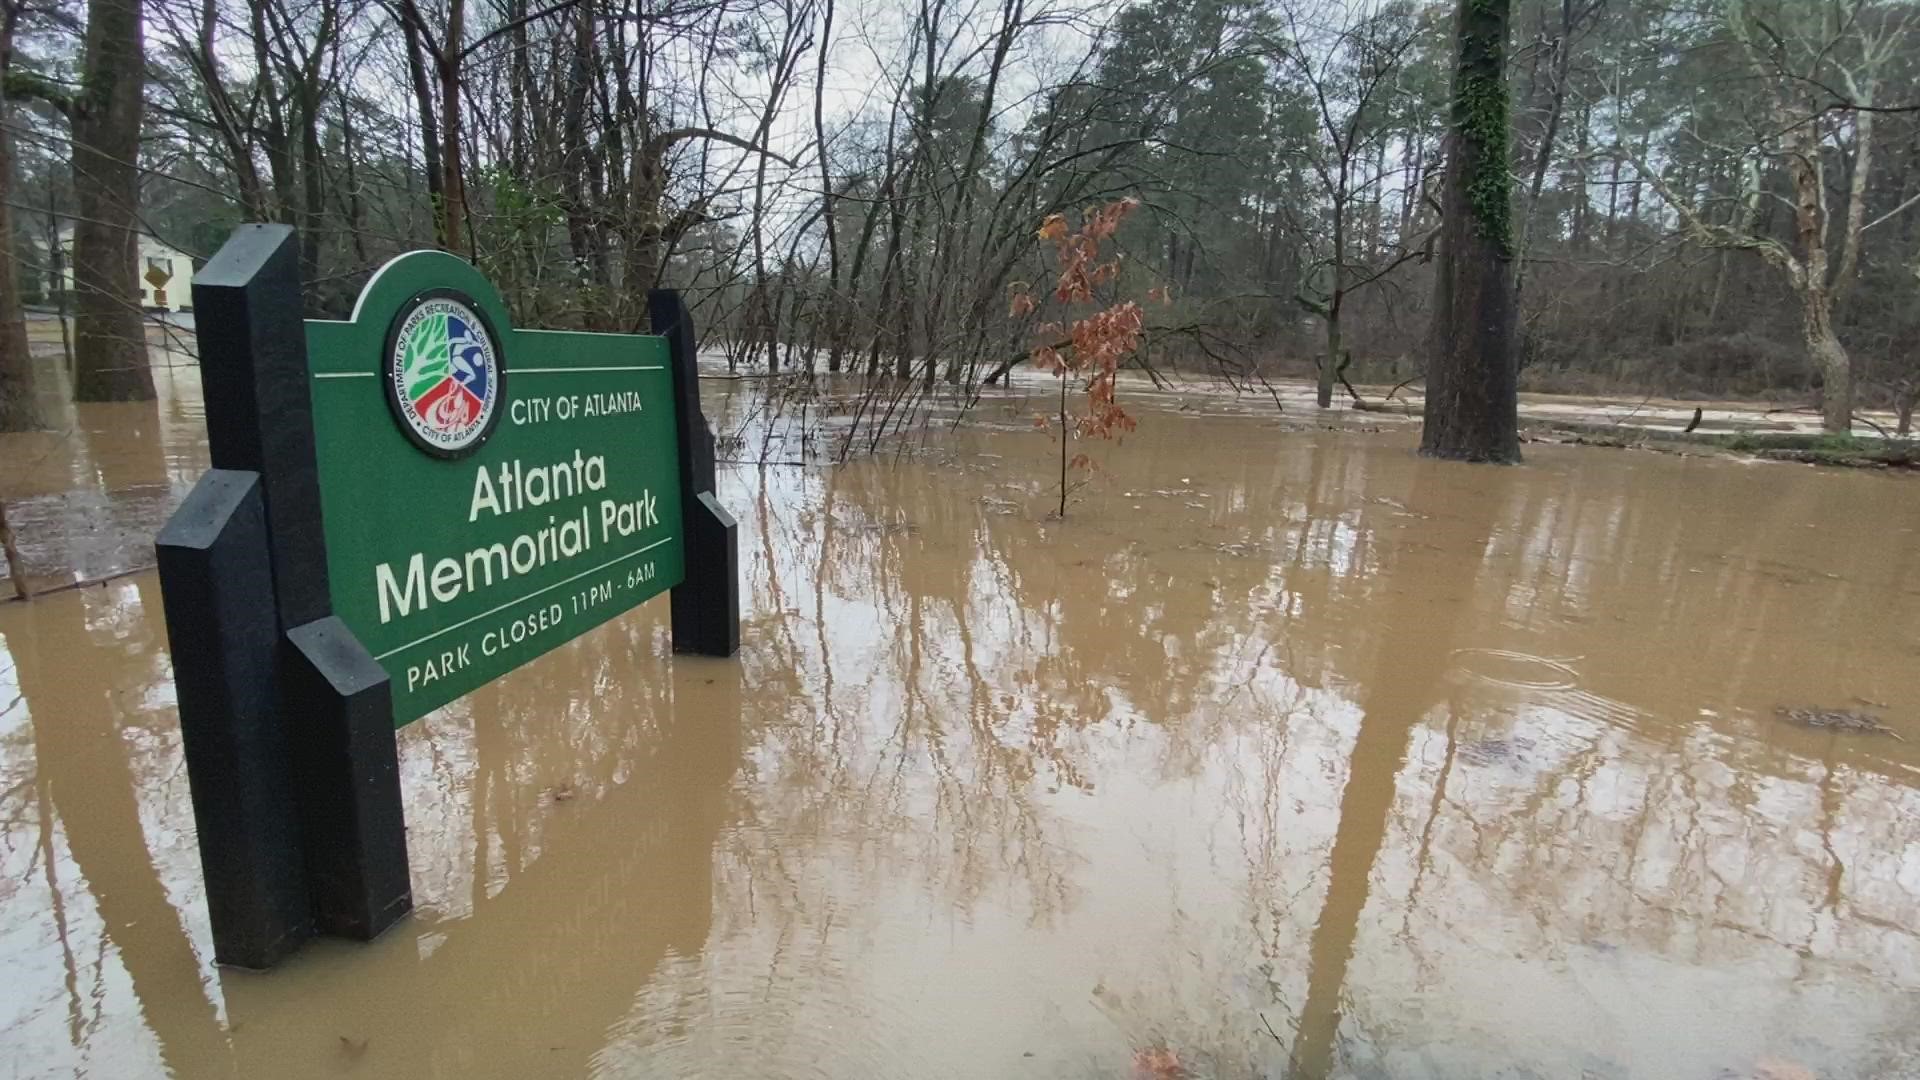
487, 492
402, 507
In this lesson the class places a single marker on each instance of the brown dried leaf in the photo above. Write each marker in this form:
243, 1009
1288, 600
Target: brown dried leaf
1157, 1063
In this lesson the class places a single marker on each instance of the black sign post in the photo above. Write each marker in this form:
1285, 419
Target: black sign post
288, 733
706, 605
287, 720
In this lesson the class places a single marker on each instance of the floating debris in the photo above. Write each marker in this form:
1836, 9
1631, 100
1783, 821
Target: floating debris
1849, 721
1494, 751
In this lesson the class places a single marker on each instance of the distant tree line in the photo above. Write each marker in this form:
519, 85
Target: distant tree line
1707, 196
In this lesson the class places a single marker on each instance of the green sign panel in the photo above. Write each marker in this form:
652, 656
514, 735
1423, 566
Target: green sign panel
488, 493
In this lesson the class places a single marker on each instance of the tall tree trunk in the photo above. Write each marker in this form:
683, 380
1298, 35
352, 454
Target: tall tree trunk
1830, 357
353, 204
1639, 185
1412, 149
62, 296
429, 127
226, 117
577, 165
270, 119
836, 326
519, 79
1543, 155
1330, 364
1613, 201
1472, 406
647, 239
955, 228
1908, 394
769, 312
890, 275
1376, 214
1323, 391
1581, 209
1813, 281
1749, 221
19, 404
312, 180
110, 344
453, 182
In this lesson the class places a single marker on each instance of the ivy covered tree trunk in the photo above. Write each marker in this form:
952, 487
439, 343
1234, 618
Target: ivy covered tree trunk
1472, 406
110, 344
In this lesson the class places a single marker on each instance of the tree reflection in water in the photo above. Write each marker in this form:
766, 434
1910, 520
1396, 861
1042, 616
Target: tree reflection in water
1432, 770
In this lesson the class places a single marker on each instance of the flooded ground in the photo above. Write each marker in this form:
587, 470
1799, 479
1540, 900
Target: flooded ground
1288, 754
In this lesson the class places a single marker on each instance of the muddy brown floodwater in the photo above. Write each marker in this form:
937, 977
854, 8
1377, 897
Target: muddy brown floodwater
1289, 754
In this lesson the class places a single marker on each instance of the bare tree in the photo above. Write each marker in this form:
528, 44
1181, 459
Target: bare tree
1817, 68
1348, 69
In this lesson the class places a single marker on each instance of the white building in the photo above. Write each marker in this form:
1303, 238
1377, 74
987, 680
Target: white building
165, 273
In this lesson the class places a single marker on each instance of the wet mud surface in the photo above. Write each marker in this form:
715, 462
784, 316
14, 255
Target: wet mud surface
1287, 754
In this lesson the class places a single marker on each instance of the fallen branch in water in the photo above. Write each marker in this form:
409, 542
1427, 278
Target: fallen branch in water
1635, 411
1361, 404
1884, 433
68, 586
1869, 460
1864, 452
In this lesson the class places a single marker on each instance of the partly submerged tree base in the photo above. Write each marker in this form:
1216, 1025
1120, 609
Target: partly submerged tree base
1472, 406
125, 384
1471, 454
19, 410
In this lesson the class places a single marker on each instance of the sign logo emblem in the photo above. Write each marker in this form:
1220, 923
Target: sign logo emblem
443, 373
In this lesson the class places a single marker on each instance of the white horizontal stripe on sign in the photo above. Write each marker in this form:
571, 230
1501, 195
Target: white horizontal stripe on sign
561, 370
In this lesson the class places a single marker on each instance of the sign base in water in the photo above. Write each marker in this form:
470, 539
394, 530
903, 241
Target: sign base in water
403, 506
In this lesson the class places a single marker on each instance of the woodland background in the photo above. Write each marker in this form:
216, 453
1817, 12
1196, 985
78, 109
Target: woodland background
1711, 196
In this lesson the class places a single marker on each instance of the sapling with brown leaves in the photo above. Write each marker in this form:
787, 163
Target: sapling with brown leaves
1092, 346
